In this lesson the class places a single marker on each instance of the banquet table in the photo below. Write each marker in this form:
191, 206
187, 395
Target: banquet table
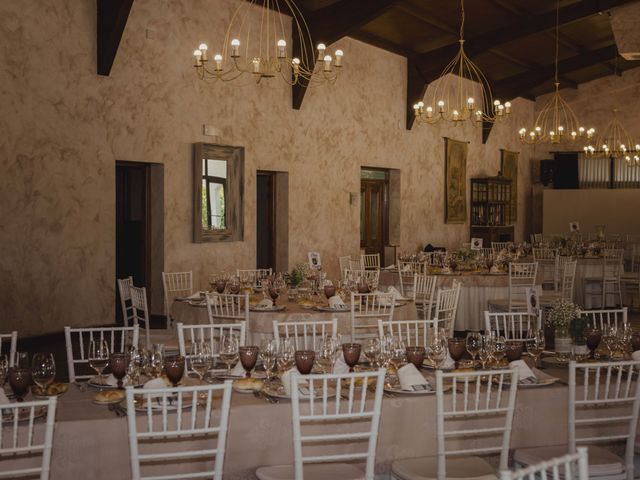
90, 441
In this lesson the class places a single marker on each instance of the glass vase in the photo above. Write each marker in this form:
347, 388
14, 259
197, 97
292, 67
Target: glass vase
563, 344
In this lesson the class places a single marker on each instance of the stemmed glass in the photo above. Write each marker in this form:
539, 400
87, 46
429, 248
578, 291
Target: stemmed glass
119, 363
485, 350
156, 359
594, 336
200, 357
268, 355
174, 368
329, 290
351, 352
304, 361
438, 348
398, 353
457, 347
19, 380
372, 351
99, 357
513, 350
474, 343
43, 370
248, 358
327, 353
286, 355
499, 348
415, 355
4, 369
221, 285
609, 337
535, 346
229, 346
234, 285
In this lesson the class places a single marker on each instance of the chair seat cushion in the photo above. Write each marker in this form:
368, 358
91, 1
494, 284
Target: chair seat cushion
318, 471
602, 462
426, 468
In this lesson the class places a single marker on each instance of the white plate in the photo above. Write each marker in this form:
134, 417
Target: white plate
544, 379
346, 308
277, 391
93, 382
277, 308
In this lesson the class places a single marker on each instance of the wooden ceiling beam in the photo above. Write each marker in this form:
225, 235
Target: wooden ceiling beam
333, 22
112, 18
376, 41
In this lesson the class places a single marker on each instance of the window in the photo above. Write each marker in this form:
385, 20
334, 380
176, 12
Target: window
214, 186
607, 173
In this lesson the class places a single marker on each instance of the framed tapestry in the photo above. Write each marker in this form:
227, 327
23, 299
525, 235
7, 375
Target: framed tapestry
455, 184
509, 168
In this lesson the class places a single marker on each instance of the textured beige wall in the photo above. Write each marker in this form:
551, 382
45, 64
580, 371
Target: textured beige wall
63, 127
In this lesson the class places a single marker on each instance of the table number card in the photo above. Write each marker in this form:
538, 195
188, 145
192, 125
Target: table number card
476, 243
314, 261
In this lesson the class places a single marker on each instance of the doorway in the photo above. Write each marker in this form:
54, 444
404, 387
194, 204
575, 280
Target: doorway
140, 229
272, 220
374, 211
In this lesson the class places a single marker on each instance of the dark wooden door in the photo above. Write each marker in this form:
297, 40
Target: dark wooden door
132, 225
265, 221
373, 216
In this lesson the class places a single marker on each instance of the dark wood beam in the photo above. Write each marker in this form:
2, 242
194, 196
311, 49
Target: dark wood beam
376, 41
333, 22
416, 88
112, 18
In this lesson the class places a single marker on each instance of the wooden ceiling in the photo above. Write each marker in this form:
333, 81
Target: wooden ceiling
512, 41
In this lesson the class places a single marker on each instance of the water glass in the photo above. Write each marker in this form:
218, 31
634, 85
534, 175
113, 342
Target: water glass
43, 370
473, 344
229, 348
286, 355
268, 355
98, 357
372, 351
200, 358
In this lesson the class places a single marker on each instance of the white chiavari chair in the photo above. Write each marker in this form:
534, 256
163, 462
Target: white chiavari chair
323, 417
547, 259
485, 252
124, 284
12, 340
407, 272
371, 261
598, 290
536, 239
149, 439
211, 334
344, 264
33, 438
497, 247
77, 342
413, 332
435, 258
475, 411
366, 309
522, 277
513, 325
175, 284
254, 275
604, 399
227, 307
574, 466
356, 265
566, 284
446, 307
140, 311
305, 334
617, 317
630, 280
424, 294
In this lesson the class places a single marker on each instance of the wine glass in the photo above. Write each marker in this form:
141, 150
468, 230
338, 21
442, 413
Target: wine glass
457, 346
268, 355
594, 336
119, 363
499, 348
200, 358
99, 357
274, 292
513, 350
326, 354
248, 358
19, 381
609, 337
329, 290
234, 285
415, 355
535, 345
4, 369
221, 285
229, 346
43, 370
174, 369
398, 353
22, 360
156, 359
304, 361
286, 355
484, 354
372, 351
351, 352
473, 344
438, 349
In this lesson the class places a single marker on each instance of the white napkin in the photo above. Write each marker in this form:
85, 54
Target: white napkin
4, 400
109, 380
238, 370
336, 302
265, 303
195, 296
635, 355
390, 267
411, 379
286, 380
395, 292
155, 383
383, 299
449, 363
340, 367
525, 374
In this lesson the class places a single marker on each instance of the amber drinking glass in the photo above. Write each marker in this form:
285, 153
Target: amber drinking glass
119, 363
415, 355
457, 347
174, 368
513, 350
19, 380
329, 291
220, 286
249, 357
363, 288
304, 361
594, 336
351, 352
274, 293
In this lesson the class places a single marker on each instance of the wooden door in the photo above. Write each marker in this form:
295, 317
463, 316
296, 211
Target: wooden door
265, 220
373, 216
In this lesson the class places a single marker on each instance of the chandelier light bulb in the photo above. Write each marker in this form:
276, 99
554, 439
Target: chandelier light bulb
197, 53
282, 45
321, 48
327, 63
339, 54
421, 104
235, 48
203, 47
218, 59
455, 115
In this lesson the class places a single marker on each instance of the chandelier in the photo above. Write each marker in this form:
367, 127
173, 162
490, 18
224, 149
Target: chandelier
615, 142
255, 45
556, 122
461, 92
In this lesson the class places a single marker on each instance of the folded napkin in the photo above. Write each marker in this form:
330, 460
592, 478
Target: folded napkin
265, 303
525, 374
155, 383
449, 363
238, 370
286, 380
635, 355
3, 397
390, 267
411, 379
395, 292
109, 380
336, 302
340, 367
195, 296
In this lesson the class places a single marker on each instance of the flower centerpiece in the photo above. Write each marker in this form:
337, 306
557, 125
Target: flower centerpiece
564, 315
299, 273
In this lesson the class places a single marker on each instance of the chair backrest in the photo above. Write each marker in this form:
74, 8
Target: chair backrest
522, 276
254, 275
305, 334
210, 334
435, 258
356, 264
407, 272
599, 318
412, 332
536, 239
371, 277
544, 253
604, 407
486, 252
140, 310
77, 342
12, 340
227, 306
124, 284
612, 265
424, 293
371, 261
349, 403
513, 325
27, 438
344, 262
175, 284
634, 265
163, 423
447, 307
499, 246
487, 395
568, 279
573, 466
366, 309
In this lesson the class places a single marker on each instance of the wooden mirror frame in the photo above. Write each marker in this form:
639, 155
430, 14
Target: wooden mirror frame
234, 205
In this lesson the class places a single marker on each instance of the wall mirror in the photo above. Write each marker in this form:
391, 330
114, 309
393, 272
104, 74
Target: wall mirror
218, 178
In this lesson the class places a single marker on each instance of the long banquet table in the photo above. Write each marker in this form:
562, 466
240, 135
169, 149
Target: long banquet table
92, 442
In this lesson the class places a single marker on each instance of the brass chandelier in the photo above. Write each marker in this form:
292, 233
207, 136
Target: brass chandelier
615, 142
556, 122
258, 48
461, 92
